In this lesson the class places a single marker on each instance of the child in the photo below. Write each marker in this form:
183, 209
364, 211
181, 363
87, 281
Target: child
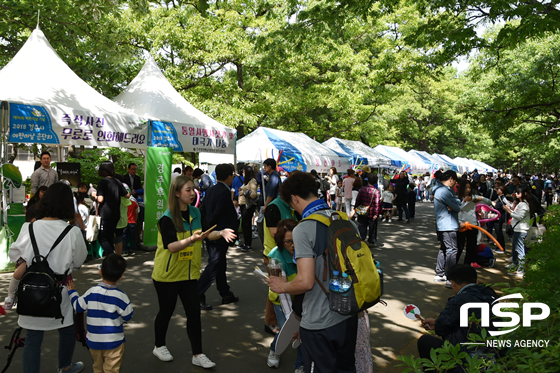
549, 196
82, 208
129, 233
339, 195
123, 221
411, 200
107, 306
388, 198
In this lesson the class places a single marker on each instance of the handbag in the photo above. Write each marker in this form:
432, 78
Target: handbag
92, 230
535, 232
363, 210
509, 229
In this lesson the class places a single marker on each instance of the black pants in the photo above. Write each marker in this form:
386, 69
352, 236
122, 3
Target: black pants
426, 343
167, 293
412, 209
107, 235
365, 224
499, 227
215, 270
247, 223
470, 237
331, 349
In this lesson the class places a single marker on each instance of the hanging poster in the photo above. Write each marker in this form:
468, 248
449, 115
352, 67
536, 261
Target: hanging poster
158, 179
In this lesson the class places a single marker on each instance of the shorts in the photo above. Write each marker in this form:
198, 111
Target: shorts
118, 235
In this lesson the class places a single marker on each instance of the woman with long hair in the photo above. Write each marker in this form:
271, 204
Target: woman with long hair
469, 199
177, 267
55, 210
248, 203
521, 213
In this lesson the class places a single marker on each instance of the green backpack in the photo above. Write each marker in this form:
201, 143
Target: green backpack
347, 253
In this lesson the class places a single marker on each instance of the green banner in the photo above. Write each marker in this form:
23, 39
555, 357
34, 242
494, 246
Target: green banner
158, 179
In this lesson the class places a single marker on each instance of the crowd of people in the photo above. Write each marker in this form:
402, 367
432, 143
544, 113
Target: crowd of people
276, 202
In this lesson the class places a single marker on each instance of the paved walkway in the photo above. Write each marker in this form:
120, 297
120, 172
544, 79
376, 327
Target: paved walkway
233, 335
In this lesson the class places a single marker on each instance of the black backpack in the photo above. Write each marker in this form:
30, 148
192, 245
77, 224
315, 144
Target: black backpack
39, 292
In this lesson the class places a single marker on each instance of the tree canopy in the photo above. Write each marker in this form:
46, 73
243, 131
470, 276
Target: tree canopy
375, 71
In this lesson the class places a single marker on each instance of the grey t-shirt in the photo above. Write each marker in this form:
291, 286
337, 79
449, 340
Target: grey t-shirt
316, 314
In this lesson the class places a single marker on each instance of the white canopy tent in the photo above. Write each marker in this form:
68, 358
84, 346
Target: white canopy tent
50, 104
294, 151
357, 152
175, 122
465, 163
404, 160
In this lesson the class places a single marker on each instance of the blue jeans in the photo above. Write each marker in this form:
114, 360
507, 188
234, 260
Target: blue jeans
32, 349
129, 236
281, 320
518, 245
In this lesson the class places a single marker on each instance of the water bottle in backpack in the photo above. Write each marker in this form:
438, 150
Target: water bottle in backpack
344, 305
334, 291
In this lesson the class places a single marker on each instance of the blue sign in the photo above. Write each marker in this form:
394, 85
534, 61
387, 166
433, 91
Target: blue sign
30, 123
292, 162
164, 135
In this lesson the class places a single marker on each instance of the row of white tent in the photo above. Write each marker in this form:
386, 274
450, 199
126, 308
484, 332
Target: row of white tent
50, 104
299, 151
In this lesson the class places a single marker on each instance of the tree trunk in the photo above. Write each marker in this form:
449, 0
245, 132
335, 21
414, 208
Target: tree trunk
14, 154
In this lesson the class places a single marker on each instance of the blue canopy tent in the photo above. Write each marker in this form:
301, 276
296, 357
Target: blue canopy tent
357, 153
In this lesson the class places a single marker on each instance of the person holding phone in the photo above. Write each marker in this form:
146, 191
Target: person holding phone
177, 267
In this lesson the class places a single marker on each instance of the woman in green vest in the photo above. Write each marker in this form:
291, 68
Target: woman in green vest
283, 253
177, 267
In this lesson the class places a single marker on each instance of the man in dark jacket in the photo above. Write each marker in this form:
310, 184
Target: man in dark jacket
217, 208
465, 285
401, 183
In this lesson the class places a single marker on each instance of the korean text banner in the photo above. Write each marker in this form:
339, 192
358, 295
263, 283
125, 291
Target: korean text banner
193, 138
59, 126
158, 179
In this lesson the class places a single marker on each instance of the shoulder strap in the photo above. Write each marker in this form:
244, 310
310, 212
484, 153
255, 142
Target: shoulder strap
60, 238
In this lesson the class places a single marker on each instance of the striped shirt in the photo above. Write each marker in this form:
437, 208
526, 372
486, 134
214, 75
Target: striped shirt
107, 307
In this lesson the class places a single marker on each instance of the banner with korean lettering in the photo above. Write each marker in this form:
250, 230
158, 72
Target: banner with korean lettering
193, 138
158, 179
61, 126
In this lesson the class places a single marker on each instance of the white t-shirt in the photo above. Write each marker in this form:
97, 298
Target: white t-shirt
388, 197
84, 213
69, 254
333, 180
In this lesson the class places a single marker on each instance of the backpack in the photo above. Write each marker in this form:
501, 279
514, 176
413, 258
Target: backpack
347, 252
40, 289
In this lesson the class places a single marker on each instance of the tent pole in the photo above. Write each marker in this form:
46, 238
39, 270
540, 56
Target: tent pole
4, 131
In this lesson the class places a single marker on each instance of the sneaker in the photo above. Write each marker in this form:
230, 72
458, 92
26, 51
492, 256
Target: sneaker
255, 235
382, 220
131, 252
230, 299
448, 285
475, 265
516, 273
8, 303
73, 368
510, 266
245, 248
510, 259
162, 353
299, 370
408, 220
203, 361
440, 278
389, 221
273, 360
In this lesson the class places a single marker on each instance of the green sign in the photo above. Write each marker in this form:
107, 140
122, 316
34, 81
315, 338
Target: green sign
158, 179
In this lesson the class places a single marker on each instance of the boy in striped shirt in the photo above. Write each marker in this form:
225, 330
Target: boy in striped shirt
107, 308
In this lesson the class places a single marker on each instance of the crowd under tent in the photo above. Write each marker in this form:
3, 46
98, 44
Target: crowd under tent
292, 151
174, 122
357, 153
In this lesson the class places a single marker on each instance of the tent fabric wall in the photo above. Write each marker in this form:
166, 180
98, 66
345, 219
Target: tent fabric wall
357, 152
400, 158
175, 123
50, 104
299, 151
